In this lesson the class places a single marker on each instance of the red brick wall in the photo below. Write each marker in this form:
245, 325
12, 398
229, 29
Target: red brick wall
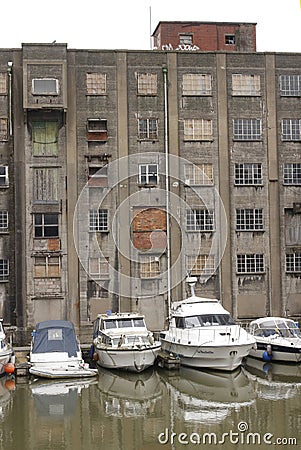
149, 229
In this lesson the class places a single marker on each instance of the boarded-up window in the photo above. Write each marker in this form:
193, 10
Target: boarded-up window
200, 264
147, 84
46, 266
45, 185
149, 267
3, 129
197, 84
197, 130
198, 174
97, 130
45, 138
243, 84
96, 83
3, 83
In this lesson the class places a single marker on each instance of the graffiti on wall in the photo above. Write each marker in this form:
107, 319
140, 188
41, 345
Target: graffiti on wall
183, 47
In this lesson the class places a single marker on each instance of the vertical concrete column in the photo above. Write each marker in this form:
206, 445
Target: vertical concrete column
273, 272
73, 298
224, 179
123, 188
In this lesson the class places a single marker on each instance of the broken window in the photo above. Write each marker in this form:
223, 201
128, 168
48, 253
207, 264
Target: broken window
290, 85
230, 39
244, 84
147, 84
197, 130
96, 83
200, 220
45, 185
45, 138
3, 129
46, 225
148, 129
46, 266
198, 174
247, 129
248, 174
99, 267
185, 39
97, 130
250, 263
197, 84
249, 219
291, 129
98, 220
3, 220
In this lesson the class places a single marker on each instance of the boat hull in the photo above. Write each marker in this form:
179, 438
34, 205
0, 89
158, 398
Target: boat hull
280, 352
222, 357
131, 359
57, 372
5, 357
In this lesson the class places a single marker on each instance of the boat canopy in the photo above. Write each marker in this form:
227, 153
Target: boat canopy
55, 336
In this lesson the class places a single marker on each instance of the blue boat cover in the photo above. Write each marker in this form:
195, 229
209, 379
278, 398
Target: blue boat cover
55, 336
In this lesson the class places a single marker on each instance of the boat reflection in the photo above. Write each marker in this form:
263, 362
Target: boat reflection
7, 385
59, 399
208, 396
126, 394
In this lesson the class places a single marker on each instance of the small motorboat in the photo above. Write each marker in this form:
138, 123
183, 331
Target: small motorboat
6, 350
122, 341
202, 334
55, 352
277, 339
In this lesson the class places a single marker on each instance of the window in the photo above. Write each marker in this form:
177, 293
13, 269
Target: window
96, 83
249, 219
45, 86
98, 220
149, 267
290, 85
200, 264
4, 270
185, 39
197, 130
3, 220
197, 84
45, 185
45, 138
293, 262
3, 129
292, 173
252, 263
46, 225
229, 39
98, 267
147, 84
147, 129
247, 129
148, 174
199, 220
97, 130
245, 84
291, 129
248, 174
3, 83
3, 176
198, 174
46, 266
98, 176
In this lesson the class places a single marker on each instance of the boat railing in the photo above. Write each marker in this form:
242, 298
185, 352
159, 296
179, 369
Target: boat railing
205, 335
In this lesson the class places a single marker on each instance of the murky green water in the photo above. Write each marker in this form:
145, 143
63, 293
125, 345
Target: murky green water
186, 409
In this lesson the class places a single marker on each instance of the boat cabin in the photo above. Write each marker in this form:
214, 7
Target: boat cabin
274, 326
204, 320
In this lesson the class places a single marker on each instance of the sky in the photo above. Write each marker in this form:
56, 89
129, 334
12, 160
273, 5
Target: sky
120, 24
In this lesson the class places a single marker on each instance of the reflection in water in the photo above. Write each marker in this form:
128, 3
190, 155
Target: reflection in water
7, 386
208, 397
126, 411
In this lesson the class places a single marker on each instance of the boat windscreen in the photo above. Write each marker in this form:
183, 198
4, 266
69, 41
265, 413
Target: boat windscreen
204, 320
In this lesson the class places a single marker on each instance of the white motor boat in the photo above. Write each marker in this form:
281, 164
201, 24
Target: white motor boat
55, 352
122, 341
6, 350
277, 339
202, 334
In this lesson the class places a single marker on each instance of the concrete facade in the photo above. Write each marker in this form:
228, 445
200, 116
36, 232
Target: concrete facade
88, 133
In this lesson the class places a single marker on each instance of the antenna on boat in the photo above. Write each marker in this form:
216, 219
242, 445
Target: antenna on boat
191, 281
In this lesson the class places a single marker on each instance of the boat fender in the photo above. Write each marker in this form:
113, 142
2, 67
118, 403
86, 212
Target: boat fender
95, 356
9, 368
267, 354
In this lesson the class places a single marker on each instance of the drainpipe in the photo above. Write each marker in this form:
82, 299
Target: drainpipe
166, 145
9, 73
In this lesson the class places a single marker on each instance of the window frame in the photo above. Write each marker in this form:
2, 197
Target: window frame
3, 129
55, 92
49, 145
200, 84
201, 264
247, 129
252, 263
293, 132
151, 264
148, 174
4, 270
3, 220
197, 175
51, 261
98, 220
249, 219
200, 220
198, 130
96, 87
252, 170
3, 83
100, 263
293, 178
285, 82
293, 262
147, 84
247, 85
4, 177
146, 129
94, 133
45, 227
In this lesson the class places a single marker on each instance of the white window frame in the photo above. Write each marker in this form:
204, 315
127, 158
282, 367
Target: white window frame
3, 220
249, 219
291, 129
35, 81
290, 85
198, 174
197, 84
247, 130
200, 220
98, 220
4, 269
293, 262
198, 130
292, 174
147, 84
250, 264
4, 180
147, 174
245, 84
248, 174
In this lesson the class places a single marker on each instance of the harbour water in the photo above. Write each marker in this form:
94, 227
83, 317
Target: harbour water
257, 406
